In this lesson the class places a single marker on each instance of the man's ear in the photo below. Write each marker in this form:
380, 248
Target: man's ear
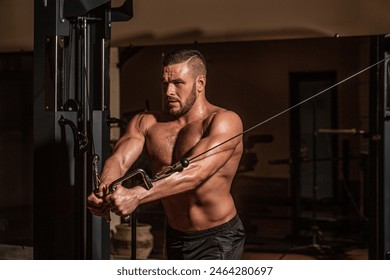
201, 83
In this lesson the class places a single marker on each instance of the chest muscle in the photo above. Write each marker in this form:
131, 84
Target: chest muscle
167, 144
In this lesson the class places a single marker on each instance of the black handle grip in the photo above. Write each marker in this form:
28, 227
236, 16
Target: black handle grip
179, 166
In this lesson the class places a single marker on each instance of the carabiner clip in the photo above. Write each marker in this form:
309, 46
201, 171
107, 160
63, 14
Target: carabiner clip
169, 170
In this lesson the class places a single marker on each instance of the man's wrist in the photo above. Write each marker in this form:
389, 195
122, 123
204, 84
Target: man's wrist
142, 192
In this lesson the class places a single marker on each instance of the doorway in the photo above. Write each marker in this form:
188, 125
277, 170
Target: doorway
313, 172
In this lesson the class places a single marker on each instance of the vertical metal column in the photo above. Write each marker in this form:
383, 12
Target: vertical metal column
386, 142
70, 124
379, 152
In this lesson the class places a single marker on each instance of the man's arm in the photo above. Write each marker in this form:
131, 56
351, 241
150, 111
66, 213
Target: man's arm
126, 151
225, 125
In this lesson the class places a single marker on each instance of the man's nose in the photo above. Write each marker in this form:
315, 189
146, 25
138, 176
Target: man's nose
169, 89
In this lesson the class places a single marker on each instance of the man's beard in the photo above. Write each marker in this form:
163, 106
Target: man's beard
187, 105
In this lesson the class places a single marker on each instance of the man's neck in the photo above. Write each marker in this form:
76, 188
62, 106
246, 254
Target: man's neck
198, 111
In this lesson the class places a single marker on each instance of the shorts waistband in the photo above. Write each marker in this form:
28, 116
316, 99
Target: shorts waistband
187, 235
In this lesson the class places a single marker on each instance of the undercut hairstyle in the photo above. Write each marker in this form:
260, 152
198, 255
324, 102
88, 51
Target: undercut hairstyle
195, 60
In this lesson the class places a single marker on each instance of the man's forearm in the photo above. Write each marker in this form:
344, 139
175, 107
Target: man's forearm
112, 170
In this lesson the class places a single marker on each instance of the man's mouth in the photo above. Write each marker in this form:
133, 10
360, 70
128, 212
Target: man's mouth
171, 101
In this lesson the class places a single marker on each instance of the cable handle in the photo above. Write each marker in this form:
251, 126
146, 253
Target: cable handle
112, 187
146, 179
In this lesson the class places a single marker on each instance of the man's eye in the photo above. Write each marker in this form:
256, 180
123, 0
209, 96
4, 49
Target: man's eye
175, 83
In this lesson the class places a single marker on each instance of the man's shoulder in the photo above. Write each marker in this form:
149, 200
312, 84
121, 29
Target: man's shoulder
223, 114
152, 116
221, 117
145, 120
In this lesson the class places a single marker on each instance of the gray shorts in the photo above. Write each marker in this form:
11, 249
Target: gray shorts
223, 242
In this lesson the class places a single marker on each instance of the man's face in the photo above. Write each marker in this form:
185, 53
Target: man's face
179, 89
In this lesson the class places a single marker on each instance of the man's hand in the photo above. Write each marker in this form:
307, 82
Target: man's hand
125, 201
97, 202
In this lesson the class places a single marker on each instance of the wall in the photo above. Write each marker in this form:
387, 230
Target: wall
16, 196
155, 22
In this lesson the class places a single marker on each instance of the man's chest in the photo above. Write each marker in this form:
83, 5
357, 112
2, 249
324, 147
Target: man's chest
166, 143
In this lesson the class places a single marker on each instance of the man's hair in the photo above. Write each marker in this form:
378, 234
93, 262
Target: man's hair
195, 60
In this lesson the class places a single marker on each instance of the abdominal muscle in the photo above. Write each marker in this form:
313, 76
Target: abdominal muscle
207, 206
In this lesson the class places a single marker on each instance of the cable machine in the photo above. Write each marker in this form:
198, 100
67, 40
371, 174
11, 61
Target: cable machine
71, 109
